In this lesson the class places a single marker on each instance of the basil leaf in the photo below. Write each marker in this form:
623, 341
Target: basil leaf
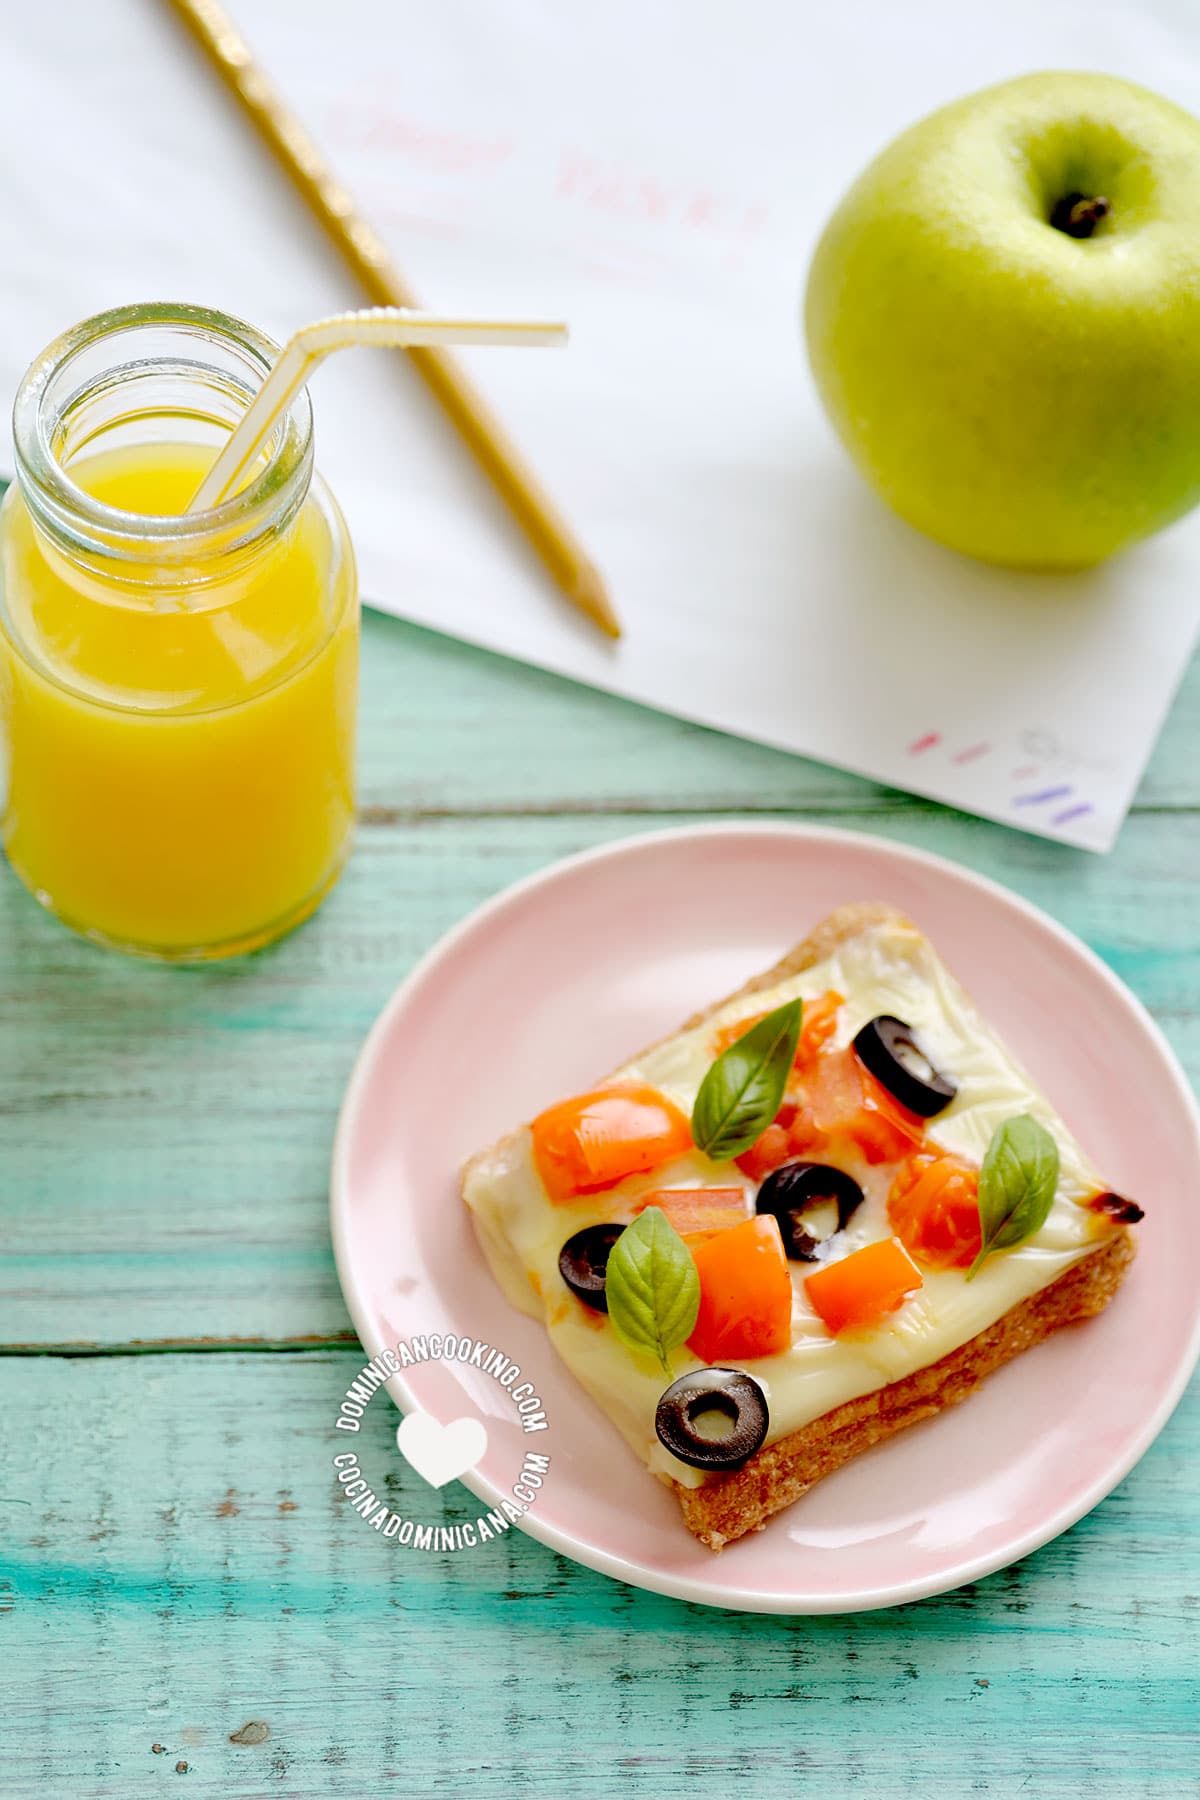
652, 1286
743, 1090
1016, 1184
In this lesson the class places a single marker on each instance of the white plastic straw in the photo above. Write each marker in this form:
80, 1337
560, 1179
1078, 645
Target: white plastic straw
382, 326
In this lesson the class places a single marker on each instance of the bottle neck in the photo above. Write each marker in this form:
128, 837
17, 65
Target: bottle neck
154, 392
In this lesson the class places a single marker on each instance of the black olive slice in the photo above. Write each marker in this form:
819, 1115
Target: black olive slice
797, 1188
583, 1263
887, 1047
729, 1398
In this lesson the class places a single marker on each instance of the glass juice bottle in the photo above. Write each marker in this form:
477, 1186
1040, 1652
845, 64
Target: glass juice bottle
177, 690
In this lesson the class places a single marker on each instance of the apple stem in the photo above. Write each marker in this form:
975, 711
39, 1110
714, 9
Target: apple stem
1079, 214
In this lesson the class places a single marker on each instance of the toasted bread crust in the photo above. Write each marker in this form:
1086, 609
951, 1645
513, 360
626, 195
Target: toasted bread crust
727, 1507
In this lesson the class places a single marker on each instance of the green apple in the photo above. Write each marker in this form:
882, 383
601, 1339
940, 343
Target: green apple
1003, 319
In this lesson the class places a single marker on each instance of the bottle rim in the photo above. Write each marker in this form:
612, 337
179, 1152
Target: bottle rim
55, 387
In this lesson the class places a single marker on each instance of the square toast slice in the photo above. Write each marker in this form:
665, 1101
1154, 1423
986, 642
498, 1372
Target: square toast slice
829, 1398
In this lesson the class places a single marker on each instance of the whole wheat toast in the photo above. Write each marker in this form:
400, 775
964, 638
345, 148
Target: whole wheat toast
728, 1506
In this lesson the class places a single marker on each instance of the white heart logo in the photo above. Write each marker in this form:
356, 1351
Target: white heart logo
440, 1453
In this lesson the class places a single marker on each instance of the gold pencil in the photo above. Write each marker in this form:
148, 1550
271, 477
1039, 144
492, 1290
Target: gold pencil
539, 518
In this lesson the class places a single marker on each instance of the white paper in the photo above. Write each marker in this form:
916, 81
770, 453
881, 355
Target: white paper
656, 175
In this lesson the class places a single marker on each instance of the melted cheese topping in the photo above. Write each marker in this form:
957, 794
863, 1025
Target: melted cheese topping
890, 968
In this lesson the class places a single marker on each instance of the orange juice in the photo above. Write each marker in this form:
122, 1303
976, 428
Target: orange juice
178, 711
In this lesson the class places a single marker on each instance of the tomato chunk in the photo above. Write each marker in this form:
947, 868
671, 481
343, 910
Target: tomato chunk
693, 1210
745, 1293
934, 1208
773, 1147
595, 1140
863, 1287
837, 1098
847, 1101
819, 1024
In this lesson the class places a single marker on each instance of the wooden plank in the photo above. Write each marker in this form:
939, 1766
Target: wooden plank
180, 1569
166, 1133
446, 727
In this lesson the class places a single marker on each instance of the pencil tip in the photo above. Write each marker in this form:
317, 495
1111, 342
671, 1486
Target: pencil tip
590, 593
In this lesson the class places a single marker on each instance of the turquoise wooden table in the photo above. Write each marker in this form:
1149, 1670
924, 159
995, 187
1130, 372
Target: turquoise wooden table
187, 1604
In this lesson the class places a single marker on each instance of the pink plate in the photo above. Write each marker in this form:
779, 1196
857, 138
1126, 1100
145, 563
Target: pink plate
569, 973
